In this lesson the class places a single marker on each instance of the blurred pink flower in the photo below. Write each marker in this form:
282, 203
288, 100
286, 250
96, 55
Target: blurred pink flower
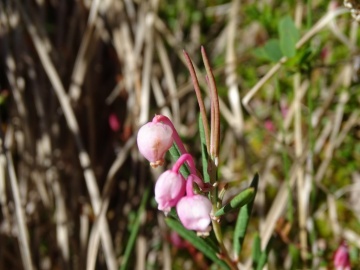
341, 257
169, 189
114, 122
153, 140
176, 240
269, 125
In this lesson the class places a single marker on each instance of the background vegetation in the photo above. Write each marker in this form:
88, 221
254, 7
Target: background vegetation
78, 78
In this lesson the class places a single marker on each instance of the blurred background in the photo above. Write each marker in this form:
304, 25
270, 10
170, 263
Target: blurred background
78, 79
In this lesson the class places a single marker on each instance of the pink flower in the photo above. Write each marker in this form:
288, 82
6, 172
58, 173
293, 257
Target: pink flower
194, 210
153, 140
341, 257
194, 213
169, 189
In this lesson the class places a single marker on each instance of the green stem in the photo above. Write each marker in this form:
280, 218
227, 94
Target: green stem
224, 252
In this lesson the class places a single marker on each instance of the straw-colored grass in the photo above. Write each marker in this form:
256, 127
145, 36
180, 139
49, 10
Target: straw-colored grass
72, 181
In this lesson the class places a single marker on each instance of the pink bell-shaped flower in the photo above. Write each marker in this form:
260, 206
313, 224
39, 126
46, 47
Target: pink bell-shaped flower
342, 258
169, 189
194, 210
153, 140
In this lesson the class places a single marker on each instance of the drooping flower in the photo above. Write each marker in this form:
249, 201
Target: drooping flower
342, 258
153, 140
169, 189
194, 210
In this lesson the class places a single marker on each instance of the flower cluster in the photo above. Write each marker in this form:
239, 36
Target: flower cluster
154, 139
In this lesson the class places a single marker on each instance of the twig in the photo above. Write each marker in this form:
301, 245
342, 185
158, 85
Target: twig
335, 130
300, 173
159, 97
85, 54
231, 77
20, 216
146, 73
96, 229
169, 77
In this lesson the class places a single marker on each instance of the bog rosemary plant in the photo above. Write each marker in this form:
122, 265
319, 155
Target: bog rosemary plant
191, 201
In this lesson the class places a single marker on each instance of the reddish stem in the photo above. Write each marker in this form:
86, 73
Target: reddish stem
199, 98
185, 157
198, 181
189, 187
215, 130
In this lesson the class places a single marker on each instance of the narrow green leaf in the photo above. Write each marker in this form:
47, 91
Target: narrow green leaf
256, 250
204, 153
264, 257
243, 219
238, 201
289, 36
134, 231
197, 242
175, 154
262, 261
295, 256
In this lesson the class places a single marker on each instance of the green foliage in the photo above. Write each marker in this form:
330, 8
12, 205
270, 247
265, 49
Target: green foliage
289, 36
259, 257
275, 49
243, 219
199, 243
270, 51
244, 197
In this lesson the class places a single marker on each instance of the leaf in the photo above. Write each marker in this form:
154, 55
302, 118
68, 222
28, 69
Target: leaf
243, 219
175, 154
264, 256
134, 231
204, 153
295, 256
238, 201
289, 36
259, 257
256, 250
197, 242
270, 51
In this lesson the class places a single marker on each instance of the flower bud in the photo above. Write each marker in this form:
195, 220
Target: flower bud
169, 189
153, 140
194, 213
